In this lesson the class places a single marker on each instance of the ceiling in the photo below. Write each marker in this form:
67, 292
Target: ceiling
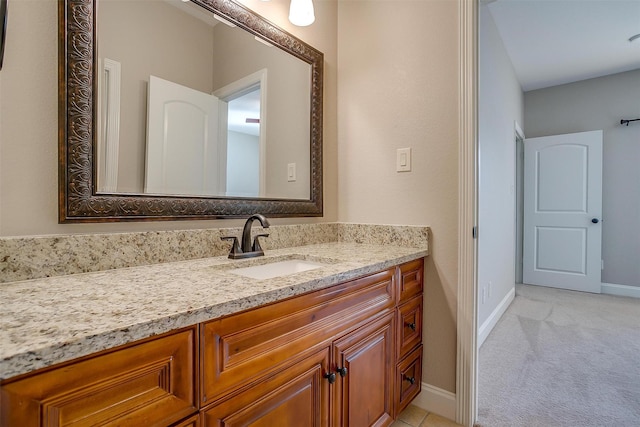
553, 42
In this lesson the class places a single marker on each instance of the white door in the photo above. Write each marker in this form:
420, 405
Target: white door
562, 211
182, 130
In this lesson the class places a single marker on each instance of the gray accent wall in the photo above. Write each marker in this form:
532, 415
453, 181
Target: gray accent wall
500, 106
595, 104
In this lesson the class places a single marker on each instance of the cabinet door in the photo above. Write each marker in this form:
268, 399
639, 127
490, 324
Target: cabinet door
364, 395
296, 396
151, 383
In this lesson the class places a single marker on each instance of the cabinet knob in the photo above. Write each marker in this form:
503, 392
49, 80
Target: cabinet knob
412, 326
412, 380
331, 377
342, 371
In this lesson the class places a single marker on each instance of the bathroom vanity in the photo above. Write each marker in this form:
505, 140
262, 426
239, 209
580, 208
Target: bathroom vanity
337, 345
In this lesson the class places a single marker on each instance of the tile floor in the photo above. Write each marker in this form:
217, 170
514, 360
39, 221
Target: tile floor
418, 417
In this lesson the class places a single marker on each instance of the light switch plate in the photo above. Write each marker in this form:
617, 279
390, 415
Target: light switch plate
291, 172
403, 160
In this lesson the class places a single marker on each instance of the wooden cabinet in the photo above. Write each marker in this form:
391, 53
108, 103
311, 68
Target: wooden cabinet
150, 383
372, 328
348, 355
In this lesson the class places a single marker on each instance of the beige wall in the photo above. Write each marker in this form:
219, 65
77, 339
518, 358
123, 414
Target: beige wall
29, 115
398, 87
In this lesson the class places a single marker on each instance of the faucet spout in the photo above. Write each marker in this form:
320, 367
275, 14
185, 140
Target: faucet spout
246, 231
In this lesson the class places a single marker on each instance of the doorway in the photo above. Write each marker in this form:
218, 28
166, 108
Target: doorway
246, 99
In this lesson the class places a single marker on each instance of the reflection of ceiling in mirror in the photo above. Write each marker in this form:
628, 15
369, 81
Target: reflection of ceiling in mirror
242, 108
194, 10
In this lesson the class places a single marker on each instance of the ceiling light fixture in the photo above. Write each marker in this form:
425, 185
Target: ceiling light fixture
301, 12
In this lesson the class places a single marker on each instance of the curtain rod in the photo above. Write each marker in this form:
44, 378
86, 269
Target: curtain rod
626, 122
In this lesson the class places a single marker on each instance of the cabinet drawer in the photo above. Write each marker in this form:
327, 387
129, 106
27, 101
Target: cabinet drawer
239, 349
151, 383
411, 279
409, 326
408, 379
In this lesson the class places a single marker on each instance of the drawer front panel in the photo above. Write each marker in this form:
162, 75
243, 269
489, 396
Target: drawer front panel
151, 383
240, 348
408, 379
409, 326
411, 279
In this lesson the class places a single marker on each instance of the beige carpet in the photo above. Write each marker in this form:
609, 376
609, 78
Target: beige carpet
562, 358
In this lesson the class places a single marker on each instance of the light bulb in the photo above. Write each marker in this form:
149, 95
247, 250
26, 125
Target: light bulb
301, 13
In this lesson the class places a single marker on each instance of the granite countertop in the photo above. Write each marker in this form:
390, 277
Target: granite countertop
51, 320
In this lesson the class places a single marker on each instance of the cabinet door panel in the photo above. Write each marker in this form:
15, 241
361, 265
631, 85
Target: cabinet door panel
296, 396
364, 396
150, 383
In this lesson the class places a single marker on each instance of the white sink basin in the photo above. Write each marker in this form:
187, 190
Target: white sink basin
277, 269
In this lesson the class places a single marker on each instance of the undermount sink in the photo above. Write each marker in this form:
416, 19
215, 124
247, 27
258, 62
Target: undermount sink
277, 269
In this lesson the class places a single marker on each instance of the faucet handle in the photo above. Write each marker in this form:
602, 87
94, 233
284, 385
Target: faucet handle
235, 248
256, 243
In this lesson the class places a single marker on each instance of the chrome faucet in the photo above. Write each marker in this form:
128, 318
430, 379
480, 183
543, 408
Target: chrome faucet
247, 249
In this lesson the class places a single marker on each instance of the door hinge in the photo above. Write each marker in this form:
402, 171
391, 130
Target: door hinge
475, 231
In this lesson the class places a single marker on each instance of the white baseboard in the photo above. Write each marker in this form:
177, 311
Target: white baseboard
485, 329
621, 290
436, 400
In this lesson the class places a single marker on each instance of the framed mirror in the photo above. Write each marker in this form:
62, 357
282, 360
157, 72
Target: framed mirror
185, 110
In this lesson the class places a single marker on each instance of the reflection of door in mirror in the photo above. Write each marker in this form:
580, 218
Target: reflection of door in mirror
182, 140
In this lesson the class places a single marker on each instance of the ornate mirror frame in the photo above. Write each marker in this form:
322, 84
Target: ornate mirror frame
78, 200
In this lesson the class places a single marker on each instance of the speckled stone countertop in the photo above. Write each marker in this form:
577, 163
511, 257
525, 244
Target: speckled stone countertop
51, 320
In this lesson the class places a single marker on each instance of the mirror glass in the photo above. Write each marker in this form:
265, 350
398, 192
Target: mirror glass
190, 104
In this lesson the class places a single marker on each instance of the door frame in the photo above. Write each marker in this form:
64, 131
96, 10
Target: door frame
519, 138
467, 317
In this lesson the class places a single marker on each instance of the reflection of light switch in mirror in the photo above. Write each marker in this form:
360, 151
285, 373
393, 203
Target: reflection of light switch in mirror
403, 160
291, 172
